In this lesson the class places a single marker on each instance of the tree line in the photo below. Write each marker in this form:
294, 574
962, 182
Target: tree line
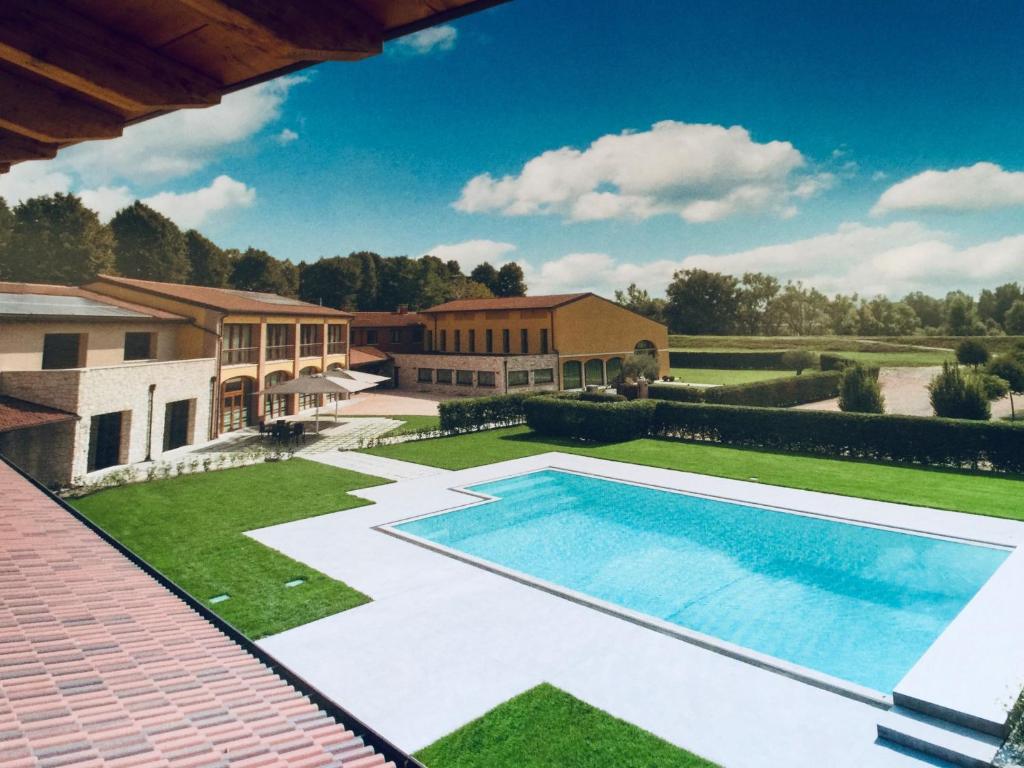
702, 302
57, 239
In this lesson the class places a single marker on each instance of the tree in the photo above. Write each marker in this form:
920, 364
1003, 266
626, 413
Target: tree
6, 228
635, 366
637, 300
702, 302
1011, 371
972, 352
485, 274
148, 245
756, 292
993, 305
955, 396
1013, 320
859, 391
56, 239
961, 316
799, 311
929, 310
510, 281
333, 282
257, 270
209, 264
463, 287
798, 359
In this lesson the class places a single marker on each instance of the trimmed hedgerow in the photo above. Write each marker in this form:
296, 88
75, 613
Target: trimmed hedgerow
679, 393
479, 412
759, 360
773, 393
601, 397
601, 422
832, 362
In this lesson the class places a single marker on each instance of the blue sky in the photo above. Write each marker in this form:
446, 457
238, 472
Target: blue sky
857, 146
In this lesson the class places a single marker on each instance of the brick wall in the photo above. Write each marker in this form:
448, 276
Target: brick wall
408, 366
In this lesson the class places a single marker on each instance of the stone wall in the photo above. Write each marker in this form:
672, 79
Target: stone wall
408, 366
46, 452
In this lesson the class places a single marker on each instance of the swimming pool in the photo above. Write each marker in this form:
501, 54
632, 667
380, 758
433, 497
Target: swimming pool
854, 602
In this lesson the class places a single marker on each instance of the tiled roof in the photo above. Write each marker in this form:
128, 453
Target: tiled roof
83, 299
225, 299
100, 665
21, 414
366, 355
386, 319
512, 302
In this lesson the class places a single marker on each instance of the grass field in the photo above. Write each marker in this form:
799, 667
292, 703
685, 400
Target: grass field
725, 376
191, 529
414, 424
546, 727
908, 359
833, 343
962, 491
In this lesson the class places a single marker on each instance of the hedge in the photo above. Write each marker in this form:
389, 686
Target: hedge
478, 412
773, 393
991, 446
770, 360
833, 362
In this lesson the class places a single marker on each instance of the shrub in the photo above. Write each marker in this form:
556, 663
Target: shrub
1011, 371
774, 393
478, 412
742, 360
600, 397
859, 391
994, 387
956, 396
601, 422
799, 359
830, 362
972, 352
677, 392
635, 366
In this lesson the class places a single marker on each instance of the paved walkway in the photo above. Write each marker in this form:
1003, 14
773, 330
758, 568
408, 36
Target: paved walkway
391, 402
392, 469
346, 436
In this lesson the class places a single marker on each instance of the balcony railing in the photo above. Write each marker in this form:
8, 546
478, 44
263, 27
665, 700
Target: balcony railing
285, 352
316, 349
336, 347
240, 355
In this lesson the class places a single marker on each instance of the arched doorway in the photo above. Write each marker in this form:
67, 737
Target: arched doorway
309, 401
236, 403
572, 375
593, 372
275, 406
614, 369
645, 348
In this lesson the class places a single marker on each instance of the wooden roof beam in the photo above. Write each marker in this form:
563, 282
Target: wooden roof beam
38, 112
66, 47
303, 30
15, 148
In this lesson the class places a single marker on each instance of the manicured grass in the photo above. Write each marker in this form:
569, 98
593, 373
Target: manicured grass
546, 727
724, 376
909, 359
415, 424
191, 529
978, 493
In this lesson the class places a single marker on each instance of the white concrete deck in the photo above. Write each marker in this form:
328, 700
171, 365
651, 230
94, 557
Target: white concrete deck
444, 640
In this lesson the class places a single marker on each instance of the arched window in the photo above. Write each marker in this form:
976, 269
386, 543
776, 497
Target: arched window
572, 375
332, 396
645, 348
309, 401
614, 368
275, 406
594, 372
236, 402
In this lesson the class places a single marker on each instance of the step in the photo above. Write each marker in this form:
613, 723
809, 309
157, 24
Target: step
939, 738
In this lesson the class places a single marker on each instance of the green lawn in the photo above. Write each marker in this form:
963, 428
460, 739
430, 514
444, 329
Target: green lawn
909, 359
725, 376
191, 529
414, 424
546, 727
962, 491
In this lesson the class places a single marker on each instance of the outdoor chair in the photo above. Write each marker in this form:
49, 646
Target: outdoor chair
298, 432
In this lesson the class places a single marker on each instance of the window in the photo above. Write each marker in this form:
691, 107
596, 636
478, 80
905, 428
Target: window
306, 400
444, 376
312, 340
645, 348
396, 335
239, 345
178, 423
485, 379
336, 342
458, 340
518, 378
371, 335
489, 340
506, 345
424, 375
106, 440
279, 341
614, 368
464, 378
139, 346
593, 372
524, 341
472, 340
444, 341
543, 341
62, 350
572, 375
430, 341
543, 375
275, 406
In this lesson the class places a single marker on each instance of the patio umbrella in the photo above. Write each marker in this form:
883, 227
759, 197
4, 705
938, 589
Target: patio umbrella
368, 378
316, 384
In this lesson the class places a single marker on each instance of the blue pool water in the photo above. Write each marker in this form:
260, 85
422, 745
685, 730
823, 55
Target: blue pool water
859, 603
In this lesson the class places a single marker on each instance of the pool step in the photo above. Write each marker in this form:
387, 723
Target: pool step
939, 738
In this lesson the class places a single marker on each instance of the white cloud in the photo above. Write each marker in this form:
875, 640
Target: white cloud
696, 171
977, 187
32, 179
473, 252
186, 209
107, 201
286, 136
440, 38
893, 260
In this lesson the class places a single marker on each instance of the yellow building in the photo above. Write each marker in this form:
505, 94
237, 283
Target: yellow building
564, 341
258, 340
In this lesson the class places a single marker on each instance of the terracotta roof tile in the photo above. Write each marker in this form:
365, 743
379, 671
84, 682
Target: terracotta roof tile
386, 319
44, 289
366, 355
224, 299
21, 414
101, 665
511, 302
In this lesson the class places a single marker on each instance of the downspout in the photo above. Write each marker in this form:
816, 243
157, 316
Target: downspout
149, 424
